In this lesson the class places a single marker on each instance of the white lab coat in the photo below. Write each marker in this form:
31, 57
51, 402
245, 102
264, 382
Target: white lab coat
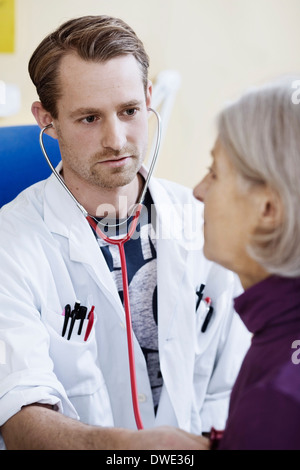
49, 257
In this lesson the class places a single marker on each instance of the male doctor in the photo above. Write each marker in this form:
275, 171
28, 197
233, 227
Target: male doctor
65, 390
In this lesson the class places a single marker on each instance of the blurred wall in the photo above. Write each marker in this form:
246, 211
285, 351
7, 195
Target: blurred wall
220, 47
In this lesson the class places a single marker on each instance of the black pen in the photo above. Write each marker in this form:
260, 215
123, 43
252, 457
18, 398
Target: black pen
74, 316
67, 316
199, 293
82, 314
208, 315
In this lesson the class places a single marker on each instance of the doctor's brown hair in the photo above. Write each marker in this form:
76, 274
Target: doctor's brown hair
93, 38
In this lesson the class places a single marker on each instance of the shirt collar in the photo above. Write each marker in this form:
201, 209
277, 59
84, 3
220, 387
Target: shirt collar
270, 301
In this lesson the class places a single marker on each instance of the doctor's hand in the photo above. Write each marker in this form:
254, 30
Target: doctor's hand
165, 438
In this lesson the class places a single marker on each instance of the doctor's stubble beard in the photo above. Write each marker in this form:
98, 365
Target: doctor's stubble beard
92, 171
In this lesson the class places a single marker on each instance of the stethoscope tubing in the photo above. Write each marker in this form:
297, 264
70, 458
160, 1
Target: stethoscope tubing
120, 243
130, 346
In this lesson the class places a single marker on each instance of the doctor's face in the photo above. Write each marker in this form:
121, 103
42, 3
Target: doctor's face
230, 214
102, 123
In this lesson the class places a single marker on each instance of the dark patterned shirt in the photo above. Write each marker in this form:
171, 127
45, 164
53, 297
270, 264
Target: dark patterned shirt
140, 253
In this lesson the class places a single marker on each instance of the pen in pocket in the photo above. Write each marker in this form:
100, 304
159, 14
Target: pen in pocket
91, 318
208, 314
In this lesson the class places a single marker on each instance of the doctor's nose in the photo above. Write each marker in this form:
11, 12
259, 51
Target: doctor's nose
201, 188
113, 136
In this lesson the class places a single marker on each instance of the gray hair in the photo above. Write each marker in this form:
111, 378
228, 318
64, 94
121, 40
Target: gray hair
260, 132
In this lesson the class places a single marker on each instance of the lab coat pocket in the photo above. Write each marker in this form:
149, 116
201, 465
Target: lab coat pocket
75, 360
79, 330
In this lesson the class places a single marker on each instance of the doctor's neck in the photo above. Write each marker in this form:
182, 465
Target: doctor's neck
116, 202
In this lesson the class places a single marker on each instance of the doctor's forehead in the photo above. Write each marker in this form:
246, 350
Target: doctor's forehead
118, 80
124, 67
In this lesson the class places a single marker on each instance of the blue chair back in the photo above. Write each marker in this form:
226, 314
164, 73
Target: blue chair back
22, 162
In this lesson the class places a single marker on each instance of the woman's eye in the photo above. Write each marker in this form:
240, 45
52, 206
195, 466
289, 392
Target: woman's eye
211, 173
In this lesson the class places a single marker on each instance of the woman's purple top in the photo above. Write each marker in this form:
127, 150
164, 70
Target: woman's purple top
264, 408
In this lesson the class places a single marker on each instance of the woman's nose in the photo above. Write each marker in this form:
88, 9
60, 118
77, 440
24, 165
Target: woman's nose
201, 188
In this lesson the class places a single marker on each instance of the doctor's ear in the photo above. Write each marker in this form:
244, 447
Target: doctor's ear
149, 94
43, 118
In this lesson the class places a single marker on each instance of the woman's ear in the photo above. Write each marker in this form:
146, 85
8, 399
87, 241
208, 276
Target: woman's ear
271, 210
43, 118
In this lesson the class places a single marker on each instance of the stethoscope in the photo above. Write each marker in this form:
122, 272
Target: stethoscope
94, 223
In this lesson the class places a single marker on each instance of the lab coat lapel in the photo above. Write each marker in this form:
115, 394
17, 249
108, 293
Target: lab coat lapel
63, 217
176, 352
172, 254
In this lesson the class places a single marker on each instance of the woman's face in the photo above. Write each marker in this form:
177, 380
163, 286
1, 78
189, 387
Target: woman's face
231, 215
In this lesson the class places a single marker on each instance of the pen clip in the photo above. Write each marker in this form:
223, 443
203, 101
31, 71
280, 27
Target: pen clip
199, 294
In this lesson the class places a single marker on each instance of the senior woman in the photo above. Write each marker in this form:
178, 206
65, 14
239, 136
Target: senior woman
251, 201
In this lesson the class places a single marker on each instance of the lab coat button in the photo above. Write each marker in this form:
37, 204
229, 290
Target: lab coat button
142, 397
123, 326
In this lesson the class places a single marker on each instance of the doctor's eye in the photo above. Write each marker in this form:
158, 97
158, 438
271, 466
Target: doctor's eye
130, 112
89, 119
